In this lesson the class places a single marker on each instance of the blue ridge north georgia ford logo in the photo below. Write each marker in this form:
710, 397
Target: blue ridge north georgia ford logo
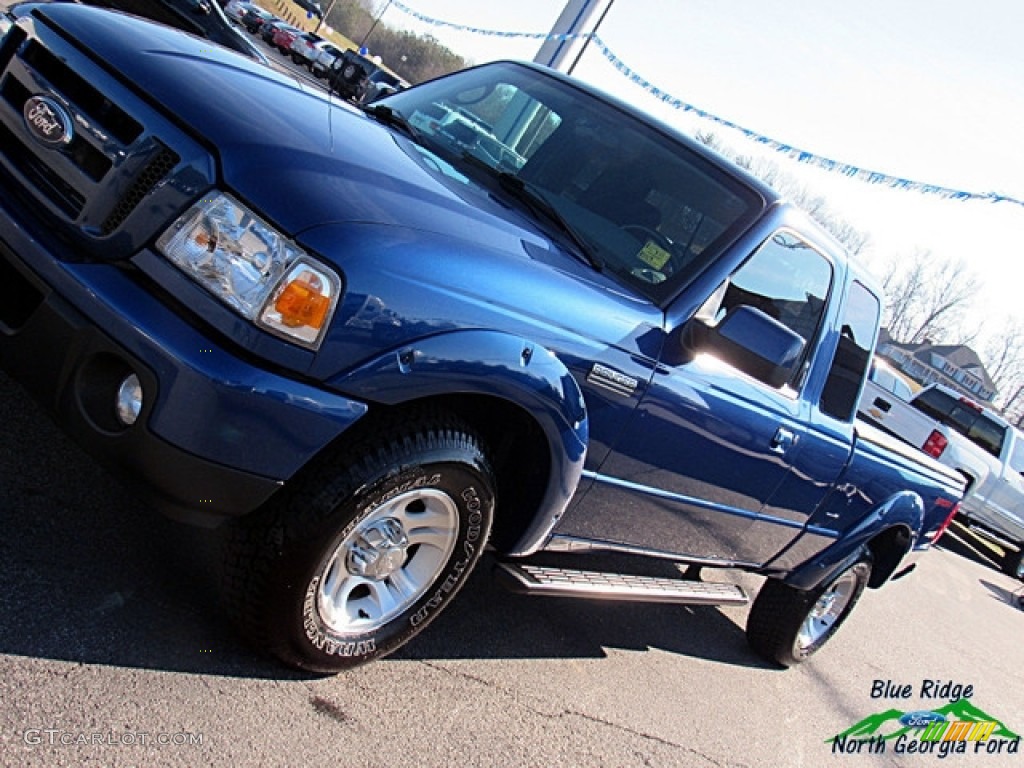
47, 120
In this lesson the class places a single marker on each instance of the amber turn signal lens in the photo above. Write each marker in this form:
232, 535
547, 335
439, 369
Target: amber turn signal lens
302, 304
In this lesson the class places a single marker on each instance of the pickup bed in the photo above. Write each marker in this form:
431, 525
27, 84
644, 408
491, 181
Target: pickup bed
403, 348
977, 443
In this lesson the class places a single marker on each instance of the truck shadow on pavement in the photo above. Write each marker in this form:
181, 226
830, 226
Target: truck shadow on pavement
89, 575
488, 622
961, 541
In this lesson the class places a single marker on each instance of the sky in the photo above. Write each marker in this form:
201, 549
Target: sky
927, 90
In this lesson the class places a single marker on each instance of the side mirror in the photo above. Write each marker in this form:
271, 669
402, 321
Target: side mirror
750, 341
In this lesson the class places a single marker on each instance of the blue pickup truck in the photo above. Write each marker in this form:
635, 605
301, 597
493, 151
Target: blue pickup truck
499, 310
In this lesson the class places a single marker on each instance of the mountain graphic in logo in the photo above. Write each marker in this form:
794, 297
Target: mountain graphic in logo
887, 725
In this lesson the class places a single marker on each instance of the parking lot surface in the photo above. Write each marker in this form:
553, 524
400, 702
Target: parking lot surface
114, 651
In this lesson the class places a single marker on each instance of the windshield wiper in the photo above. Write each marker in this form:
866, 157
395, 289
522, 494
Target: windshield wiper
537, 203
393, 118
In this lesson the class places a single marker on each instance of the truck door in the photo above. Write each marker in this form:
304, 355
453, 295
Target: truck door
709, 445
1007, 494
829, 439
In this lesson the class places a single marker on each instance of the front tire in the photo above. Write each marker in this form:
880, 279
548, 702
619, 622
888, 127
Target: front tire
359, 554
787, 625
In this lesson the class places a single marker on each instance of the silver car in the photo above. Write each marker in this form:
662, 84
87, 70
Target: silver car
328, 54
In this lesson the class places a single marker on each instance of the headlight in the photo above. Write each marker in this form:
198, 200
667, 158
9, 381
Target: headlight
252, 268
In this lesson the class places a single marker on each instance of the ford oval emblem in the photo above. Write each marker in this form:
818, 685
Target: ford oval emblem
48, 121
921, 718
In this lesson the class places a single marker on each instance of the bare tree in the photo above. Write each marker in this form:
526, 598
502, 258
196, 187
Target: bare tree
1004, 354
1012, 406
787, 185
927, 298
1004, 360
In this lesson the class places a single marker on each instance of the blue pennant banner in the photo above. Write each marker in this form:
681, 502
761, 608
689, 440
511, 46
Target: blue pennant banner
800, 155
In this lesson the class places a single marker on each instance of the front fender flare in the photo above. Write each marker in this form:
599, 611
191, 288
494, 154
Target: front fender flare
904, 509
495, 364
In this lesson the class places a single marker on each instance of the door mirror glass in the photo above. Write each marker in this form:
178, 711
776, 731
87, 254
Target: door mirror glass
752, 342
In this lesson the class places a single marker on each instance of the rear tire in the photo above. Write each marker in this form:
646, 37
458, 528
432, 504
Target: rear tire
1013, 563
787, 625
356, 556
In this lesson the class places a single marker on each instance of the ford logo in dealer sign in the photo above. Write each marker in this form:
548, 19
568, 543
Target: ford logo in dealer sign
47, 120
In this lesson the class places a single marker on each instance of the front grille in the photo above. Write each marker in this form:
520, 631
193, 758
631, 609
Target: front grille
126, 170
90, 160
43, 178
94, 104
156, 170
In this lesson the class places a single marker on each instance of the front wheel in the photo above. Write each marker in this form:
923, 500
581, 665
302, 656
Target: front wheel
365, 549
787, 625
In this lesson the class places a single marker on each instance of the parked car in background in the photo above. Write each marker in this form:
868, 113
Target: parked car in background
977, 442
326, 56
994, 503
888, 379
256, 18
305, 48
235, 10
350, 75
284, 36
380, 84
268, 29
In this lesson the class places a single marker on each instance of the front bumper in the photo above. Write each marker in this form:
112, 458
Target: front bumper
217, 434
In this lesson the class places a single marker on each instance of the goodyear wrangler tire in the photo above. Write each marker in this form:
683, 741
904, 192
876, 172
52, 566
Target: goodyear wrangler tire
363, 550
787, 625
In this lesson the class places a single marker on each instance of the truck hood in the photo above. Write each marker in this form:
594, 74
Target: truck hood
298, 156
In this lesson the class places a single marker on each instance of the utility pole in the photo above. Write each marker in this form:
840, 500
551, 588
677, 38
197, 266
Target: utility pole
362, 43
563, 54
323, 16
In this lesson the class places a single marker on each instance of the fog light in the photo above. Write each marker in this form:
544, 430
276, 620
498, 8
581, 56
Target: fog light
129, 400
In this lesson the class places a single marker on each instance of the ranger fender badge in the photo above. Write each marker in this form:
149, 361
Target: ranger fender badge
48, 121
610, 379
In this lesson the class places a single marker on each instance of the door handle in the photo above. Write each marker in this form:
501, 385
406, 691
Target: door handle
784, 440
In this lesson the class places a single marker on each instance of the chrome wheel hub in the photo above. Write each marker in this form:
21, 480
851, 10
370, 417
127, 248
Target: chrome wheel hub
378, 551
387, 562
826, 611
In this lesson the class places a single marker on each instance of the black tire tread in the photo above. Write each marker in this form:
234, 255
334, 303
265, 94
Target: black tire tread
253, 544
779, 610
776, 608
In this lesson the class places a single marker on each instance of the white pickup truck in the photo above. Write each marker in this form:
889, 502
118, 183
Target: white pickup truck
981, 445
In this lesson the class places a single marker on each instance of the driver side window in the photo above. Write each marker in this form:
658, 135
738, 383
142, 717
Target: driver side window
788, 280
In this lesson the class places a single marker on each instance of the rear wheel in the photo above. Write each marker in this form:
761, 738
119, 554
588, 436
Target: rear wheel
358, 555
788, 625
1013, 563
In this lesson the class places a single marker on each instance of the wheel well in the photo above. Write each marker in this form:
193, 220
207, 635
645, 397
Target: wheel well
969, 478
521, 459
887, 550
513, 441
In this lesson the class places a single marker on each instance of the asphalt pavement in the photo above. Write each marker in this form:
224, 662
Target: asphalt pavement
114, 651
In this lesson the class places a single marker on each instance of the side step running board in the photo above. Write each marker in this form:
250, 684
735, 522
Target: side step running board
562, 582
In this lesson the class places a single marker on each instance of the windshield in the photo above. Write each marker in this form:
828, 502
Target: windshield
651, 210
